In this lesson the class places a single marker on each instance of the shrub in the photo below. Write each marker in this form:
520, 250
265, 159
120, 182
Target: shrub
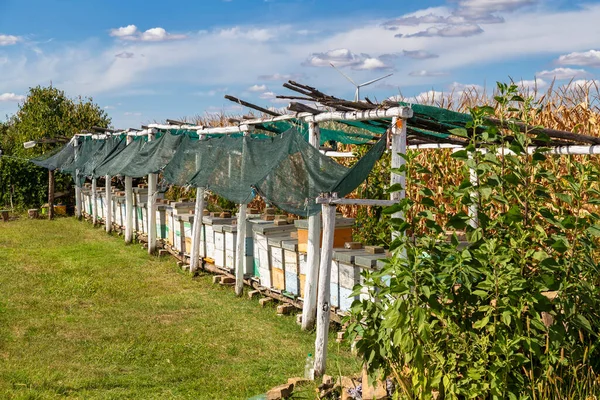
512, 309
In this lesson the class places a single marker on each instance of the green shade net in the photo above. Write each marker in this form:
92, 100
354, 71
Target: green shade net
326, 134
140, 157
285, 170
89, 154
56, 159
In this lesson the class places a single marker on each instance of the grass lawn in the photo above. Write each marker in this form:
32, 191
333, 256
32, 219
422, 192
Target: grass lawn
82, 315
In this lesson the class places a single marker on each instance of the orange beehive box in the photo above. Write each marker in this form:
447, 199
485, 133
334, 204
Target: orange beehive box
343, 233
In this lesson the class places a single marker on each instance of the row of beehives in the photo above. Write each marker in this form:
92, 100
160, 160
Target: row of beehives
275, 255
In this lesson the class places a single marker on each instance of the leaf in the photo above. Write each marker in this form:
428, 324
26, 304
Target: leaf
396, 187
567, 198
460, 132
594, 230
480, 293
583, 321
460, 155
506, 317
482, 322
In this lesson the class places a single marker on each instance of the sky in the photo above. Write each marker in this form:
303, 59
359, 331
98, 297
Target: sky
148, 60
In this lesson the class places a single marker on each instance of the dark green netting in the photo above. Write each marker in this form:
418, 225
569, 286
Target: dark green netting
194, 134
300, 178
326, 134
56, 159
438, 114
140, 157
89, 154
285, 170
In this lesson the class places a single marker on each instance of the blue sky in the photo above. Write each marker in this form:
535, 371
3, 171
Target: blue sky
145, 61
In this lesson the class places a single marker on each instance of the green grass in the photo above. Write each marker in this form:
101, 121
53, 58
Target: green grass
82, 315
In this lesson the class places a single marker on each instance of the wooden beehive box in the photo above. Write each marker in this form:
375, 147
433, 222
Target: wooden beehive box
342, 234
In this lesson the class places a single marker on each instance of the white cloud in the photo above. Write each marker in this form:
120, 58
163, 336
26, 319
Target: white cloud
125, 54
463, 30
371, 64
280, 77
533, 84
257, 88
254, 34
133, 114
11, 97
590, 58
8, 40
159, 35
271, 96
425, 73
487, 6
345, 58
583, 84
419, 54
109, 107
129, 30
563, 73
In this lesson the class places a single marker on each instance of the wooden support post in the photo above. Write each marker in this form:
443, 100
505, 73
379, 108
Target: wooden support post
50, 194
77, 188
309, 307
151, 208
129, 204
323, 306
197, 231
108, 204
398, 147
240, 254
94, 202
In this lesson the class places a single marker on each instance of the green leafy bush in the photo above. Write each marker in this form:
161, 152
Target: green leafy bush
502, 306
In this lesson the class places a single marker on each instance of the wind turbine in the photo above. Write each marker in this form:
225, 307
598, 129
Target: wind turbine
357, 94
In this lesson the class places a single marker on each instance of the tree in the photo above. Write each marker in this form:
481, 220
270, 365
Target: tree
50, 117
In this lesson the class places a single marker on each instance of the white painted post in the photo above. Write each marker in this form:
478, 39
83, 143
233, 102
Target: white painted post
94, 202
197, 231
77, 188
129, 204
398, 146
323, 307
151, 207
108, 207
241, 230
309, 307
197, 224
240, 250
473, 209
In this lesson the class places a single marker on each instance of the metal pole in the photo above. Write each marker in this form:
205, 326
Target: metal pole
129, 204
323, 307
309, 307
151, 207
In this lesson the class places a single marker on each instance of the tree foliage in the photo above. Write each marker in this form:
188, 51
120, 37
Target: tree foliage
47, 115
